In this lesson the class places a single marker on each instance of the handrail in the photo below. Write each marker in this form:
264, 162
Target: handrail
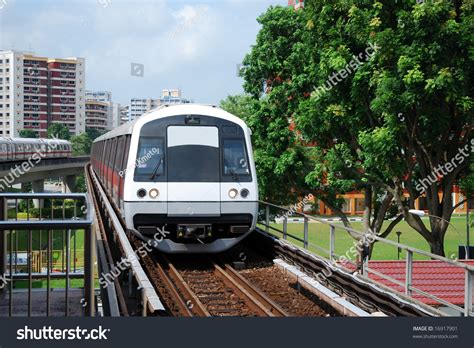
59, 223
47, 222
364, 268
375, 237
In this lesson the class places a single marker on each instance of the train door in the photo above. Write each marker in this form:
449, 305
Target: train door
192, 159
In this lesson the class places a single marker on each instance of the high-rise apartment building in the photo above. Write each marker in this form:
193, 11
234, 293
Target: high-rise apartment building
36, 92
102, 113
98, 110
139, 106
103, 96
97, 115
124, 114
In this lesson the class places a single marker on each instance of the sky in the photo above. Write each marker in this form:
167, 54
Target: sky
192, 45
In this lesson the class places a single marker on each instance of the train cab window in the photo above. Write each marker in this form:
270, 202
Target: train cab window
150, 159
235, 157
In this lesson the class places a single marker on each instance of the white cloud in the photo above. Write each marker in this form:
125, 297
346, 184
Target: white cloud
192, 45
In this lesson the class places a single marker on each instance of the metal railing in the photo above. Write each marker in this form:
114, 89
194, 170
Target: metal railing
41, 236
271, 211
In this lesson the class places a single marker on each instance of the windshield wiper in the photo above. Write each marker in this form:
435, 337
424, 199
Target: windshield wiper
234, 175
155, 171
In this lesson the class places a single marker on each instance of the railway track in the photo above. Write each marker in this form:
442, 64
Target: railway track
208, 289
203, 286
215, 290
199, 287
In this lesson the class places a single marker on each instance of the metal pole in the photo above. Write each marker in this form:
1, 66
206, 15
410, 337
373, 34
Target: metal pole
305, 233
68, 263
3, 235
285, 227
398, 248
267, 218
468, 251
89, 271
144, 302
332, 242
409, 272
365, 267
468, 293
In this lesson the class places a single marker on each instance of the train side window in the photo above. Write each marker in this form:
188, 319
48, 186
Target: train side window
107, 154
119, 154
104, 153
126, 153
113, 152
235, 157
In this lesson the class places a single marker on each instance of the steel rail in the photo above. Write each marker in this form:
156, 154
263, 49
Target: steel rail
272, 307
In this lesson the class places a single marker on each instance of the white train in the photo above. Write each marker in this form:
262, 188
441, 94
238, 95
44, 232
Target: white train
17, 149
187, 170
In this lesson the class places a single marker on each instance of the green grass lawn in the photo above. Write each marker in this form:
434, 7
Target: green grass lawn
40, 242
319, 235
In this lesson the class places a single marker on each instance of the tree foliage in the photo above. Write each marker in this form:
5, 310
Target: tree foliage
58, 130
28, 133
81, 144
380, 122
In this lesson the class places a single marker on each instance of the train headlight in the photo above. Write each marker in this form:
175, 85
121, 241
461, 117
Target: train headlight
154, 193
244, 193
233, 193
141, 193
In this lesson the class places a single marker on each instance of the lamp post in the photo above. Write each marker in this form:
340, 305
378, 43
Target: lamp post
421, 213
399, 233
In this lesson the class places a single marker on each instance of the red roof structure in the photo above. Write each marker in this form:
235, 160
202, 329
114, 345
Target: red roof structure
433, 277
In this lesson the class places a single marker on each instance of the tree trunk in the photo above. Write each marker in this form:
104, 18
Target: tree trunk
437, 246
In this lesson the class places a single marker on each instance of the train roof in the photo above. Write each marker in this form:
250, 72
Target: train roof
172, 110
5, 140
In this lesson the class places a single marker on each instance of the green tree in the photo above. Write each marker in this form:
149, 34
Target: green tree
241, 105
28, 133
81, 144
94, 133
280, 158
58, 130
381, 122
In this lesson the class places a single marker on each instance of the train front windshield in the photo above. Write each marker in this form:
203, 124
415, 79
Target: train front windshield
150, 162
191, 153
235, 157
